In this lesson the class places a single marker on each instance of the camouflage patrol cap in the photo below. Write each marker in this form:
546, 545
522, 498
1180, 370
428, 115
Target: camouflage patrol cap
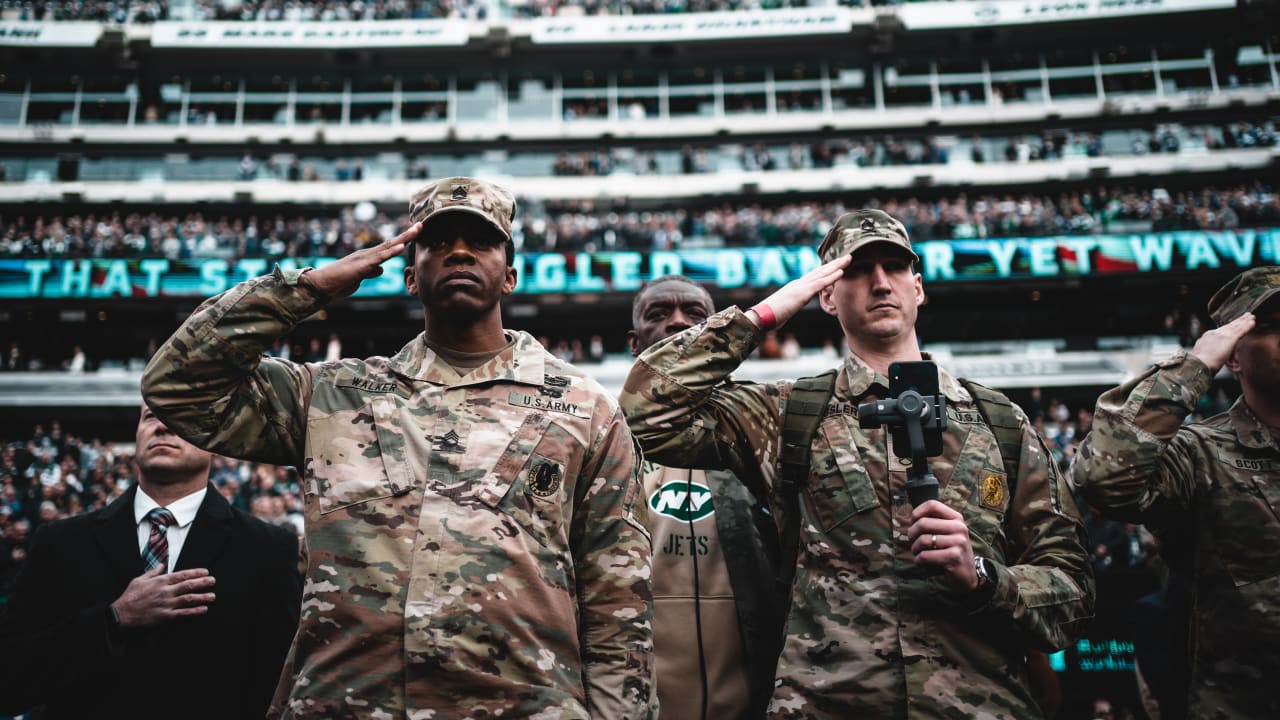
855, 230
463, 194
1245, 293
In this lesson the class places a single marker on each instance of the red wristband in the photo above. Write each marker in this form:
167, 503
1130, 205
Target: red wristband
768, 320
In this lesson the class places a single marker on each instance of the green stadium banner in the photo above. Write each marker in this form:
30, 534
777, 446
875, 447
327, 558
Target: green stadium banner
942, 261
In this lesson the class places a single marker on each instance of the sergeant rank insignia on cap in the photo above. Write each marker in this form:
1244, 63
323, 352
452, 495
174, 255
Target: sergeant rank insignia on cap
460, 192
868, 224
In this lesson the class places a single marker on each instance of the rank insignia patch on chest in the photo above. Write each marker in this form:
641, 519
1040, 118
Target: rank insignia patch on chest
544, 481
993, 492
450, 442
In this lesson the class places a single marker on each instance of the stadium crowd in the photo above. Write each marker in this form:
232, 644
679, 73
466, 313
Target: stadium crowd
592, 226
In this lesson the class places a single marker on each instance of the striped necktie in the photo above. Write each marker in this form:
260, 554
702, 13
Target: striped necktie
157, 550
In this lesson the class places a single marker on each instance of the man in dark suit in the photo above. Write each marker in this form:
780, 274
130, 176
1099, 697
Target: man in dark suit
167, 603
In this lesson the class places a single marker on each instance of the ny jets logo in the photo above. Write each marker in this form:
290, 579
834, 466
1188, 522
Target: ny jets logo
683, 501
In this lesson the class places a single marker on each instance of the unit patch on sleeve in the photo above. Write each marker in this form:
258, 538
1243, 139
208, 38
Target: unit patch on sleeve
544, 479
993, 492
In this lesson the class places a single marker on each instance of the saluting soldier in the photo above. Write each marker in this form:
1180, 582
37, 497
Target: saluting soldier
1209, 490
895, 611
473, 514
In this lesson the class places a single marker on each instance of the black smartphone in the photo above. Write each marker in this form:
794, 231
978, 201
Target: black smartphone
921, 376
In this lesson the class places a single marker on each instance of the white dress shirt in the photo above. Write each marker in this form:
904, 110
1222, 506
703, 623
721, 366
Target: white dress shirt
184, 513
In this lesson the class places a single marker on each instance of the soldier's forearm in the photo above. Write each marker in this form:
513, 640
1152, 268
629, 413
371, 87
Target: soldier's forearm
668, 391
1050, 606
696, 360
617, 619
1131, 462
210, 374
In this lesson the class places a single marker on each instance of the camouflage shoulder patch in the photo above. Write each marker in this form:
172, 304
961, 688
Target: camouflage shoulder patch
993, 491
544, 481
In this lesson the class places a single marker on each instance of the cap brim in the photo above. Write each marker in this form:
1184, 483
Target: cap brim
470, 211
868, 241
1220, 317
1268, 296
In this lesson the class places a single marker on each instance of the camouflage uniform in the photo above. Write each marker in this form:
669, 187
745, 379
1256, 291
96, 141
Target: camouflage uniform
870, 633
1210, 492
477, 543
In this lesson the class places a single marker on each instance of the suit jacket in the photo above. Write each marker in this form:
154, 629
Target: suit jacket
58, 650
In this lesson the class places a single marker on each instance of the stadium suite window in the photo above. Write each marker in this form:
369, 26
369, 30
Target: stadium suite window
849, 88
266, 97
745, 89
372, 97
1127, 70
479, 99
319, 99
53, 98
1250, 67
1072, 73
531, 98
797, 87
1184, 68
639, 93
692, 91
908, 83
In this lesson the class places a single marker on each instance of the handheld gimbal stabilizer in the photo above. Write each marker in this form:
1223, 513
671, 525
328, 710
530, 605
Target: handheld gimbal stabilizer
917, 416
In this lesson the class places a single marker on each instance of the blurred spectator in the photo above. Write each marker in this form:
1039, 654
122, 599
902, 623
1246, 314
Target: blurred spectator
790, 348
770, 348
314, 354
595, 350
13, 358
76, 363
248, 167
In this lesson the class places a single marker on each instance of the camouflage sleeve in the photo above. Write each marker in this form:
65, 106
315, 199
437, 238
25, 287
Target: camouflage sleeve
210, 383
611, 550
685, 415
1135, 465
1047, 589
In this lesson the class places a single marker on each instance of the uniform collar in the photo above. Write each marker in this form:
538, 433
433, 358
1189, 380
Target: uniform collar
858, 377
524, 362
1249, 429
